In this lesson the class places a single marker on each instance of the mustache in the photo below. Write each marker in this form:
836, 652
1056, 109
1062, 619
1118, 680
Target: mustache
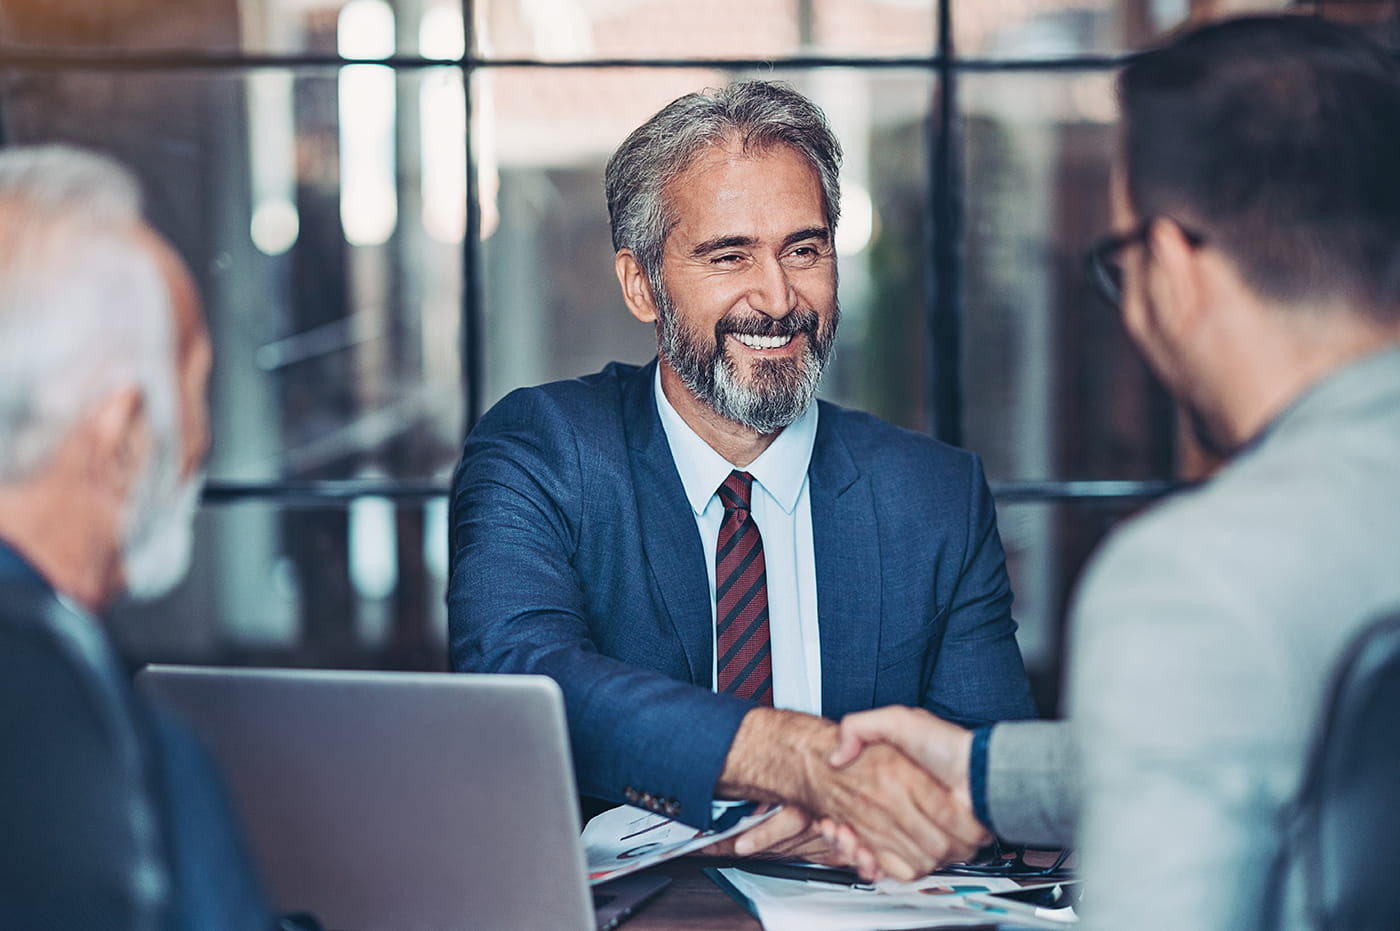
799, 321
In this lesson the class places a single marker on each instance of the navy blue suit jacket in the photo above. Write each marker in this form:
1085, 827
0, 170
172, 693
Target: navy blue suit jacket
111, 815
575, 555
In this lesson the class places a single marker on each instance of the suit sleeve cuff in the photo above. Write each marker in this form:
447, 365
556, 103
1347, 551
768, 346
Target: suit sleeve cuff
977, 775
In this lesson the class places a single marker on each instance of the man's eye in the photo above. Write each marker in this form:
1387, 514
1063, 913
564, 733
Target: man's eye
804, 255
728, 258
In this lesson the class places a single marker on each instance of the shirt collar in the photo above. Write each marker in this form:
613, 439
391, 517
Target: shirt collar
781, 470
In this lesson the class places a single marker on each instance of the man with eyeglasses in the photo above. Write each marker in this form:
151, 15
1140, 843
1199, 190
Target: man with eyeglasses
1258, 270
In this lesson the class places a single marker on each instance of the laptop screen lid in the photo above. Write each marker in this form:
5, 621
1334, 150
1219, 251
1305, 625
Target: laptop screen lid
396, 800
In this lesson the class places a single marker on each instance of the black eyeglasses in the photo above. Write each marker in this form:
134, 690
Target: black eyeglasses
1101, 263
996, 860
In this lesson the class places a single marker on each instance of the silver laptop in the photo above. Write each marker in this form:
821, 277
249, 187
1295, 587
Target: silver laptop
393, 800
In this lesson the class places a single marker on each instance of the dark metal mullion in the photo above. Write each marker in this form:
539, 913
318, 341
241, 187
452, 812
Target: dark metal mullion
944, 293
472, 321
1095, 490
338, 492
51, 59
319, 493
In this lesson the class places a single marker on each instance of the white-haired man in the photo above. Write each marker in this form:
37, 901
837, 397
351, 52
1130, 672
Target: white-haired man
112, 816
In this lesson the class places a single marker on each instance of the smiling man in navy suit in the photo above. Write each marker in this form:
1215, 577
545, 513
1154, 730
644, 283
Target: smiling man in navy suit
712, 566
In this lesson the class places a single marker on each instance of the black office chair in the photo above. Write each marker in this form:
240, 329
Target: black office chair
1348, 820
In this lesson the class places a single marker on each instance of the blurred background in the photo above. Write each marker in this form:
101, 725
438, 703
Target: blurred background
395, 210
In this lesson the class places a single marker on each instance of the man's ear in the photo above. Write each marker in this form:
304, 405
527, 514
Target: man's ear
120, 441
1176, 276
636, 288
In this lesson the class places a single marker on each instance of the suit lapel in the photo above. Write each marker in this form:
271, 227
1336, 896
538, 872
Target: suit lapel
670, 540
847, 546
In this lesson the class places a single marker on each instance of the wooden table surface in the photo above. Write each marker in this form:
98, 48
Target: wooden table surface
692, 902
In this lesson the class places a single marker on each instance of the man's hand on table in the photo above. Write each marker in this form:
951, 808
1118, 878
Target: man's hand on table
791, 834
903, 819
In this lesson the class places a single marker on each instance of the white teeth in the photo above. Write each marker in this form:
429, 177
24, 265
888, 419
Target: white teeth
762, 342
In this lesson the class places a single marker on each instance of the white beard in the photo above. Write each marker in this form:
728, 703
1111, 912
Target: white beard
160, 531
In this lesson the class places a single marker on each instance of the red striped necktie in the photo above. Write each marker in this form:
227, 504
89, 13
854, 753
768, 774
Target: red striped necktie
745, 666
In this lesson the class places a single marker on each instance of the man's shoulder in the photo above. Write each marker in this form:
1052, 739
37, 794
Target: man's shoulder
1272, 529
587, 398
48, 669
29, 609
1285, 495
878, 444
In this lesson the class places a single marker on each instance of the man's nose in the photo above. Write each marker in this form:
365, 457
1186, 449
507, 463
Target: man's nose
772, 292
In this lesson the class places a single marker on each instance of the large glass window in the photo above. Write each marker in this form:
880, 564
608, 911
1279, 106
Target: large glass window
394, 209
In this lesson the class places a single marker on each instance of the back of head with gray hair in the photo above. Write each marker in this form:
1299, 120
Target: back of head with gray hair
84, 308
758, 114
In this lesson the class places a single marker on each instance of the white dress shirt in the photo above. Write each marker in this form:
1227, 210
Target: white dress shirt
781, 507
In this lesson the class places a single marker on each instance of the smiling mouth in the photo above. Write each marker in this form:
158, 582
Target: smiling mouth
762, 342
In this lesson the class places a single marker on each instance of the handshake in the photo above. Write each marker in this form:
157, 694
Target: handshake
885, 792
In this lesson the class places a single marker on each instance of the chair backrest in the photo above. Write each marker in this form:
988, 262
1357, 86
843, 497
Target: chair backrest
1348, 839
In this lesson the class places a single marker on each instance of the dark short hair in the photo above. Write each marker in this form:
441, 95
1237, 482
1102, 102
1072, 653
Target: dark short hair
760, 114
1278, 138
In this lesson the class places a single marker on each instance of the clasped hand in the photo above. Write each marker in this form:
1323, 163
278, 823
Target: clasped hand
858, 796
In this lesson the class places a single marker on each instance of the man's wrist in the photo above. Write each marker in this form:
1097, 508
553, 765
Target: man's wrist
977, 775
776, 756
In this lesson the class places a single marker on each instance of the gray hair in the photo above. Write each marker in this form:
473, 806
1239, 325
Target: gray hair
84, 307
760, 114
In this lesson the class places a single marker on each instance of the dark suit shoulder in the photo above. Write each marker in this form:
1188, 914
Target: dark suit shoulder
588, 399
69, 784
561, 446
892, 454
42, 671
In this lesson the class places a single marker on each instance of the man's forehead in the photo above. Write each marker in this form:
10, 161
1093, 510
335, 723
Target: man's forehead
722, 176
731, 150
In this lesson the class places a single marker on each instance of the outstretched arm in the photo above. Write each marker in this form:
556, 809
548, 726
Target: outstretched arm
1019, 778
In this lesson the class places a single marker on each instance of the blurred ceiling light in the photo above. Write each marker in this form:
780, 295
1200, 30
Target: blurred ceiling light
857, 219
443, 103
441, 35
365, 29
443, 121
275, 225
373, 544
485, 139
368, 195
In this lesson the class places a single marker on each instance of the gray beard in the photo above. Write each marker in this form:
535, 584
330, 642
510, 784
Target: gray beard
780, 390
159, 530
